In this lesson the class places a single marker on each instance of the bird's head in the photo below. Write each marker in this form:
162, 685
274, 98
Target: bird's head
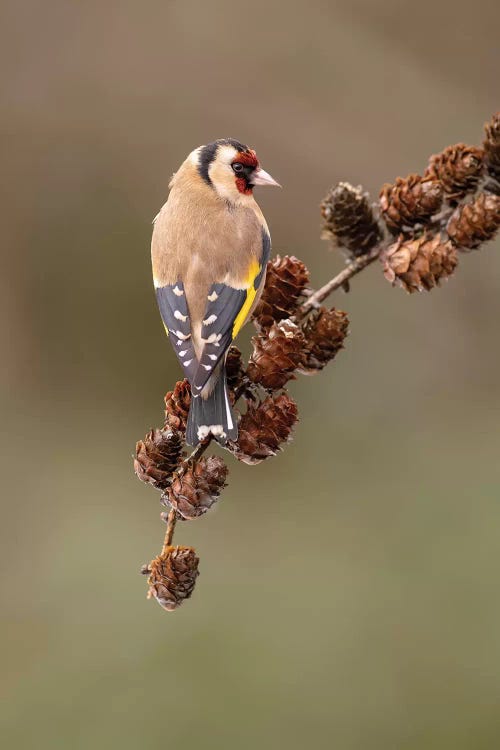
230, 168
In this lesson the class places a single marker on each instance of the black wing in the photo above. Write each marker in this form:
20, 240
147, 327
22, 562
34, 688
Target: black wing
175, 316
224, 305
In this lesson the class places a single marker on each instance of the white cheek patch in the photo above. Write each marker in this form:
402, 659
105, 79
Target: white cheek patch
221, 174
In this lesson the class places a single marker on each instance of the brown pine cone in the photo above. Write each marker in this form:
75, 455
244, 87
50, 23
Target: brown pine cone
157, 457
285, 283
349, 221
411, 200
325, 331
264, 428
177, 405
458, 168
198, 488
491, 146
235, 369
172, 576
276, 354
418, 264
474, 223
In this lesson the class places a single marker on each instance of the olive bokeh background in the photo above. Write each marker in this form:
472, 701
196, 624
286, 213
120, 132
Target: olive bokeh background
349, 592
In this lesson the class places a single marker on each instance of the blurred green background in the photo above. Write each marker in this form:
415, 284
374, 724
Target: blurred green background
349, 593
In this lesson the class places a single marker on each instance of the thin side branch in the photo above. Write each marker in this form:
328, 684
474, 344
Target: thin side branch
194, 456
169, 534
353, 268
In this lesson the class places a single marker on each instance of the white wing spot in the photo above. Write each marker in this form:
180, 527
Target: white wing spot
213, 357
213, 338
182, 336
178, 292
212, 297
207, 367
211, 319
187, 362
183, 353
180, 316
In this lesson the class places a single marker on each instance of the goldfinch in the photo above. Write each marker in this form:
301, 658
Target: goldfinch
209, 250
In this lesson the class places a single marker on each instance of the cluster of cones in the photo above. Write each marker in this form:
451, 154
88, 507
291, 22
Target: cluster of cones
287, 342
422, 222
418, 227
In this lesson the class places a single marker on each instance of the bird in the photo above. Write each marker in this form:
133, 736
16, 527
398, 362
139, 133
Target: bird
209, 250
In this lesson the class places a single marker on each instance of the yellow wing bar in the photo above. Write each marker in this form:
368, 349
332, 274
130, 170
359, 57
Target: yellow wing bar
244, 312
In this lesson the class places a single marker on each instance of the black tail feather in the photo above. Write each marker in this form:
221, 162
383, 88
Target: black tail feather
212, 415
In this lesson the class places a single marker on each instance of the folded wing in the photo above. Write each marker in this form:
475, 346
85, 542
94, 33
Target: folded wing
175, 315
227, 309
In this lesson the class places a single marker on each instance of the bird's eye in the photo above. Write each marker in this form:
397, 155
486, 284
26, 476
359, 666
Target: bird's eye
238, 167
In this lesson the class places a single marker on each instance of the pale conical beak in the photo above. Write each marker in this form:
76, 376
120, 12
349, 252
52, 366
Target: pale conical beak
261, 177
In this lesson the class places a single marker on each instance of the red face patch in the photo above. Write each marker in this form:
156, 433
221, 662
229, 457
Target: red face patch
243, 186
250, 161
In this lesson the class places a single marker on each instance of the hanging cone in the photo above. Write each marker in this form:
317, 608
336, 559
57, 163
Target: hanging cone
285, 283
177, 405
157, 457
410, 201
325, 331
194, 492
349, 220
172, 576
491, 146
418, 264
276, 355
476, 222
458, 168
264, 428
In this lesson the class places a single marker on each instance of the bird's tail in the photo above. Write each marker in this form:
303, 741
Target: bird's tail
212, 415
